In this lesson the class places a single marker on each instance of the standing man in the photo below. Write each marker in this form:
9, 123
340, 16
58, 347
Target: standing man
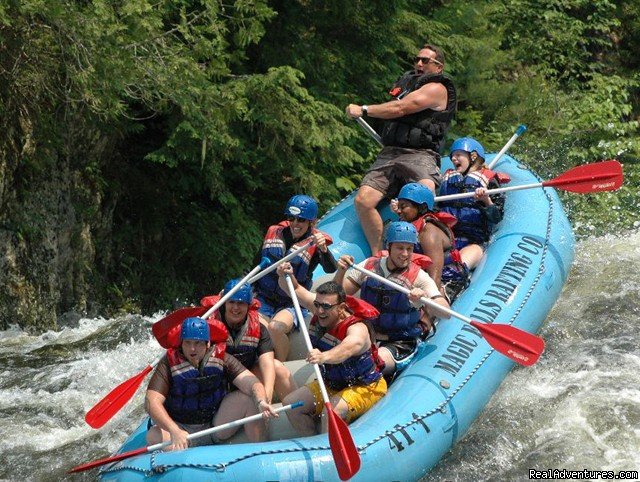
343, 344
413, 135
187, 391
402, 322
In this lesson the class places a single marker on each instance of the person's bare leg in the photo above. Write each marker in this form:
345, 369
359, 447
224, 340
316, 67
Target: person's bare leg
365, 202
155, 435
237, 405
387, 358
302, 418
341, 409
471, 255
430, 184
284, 384
279, 328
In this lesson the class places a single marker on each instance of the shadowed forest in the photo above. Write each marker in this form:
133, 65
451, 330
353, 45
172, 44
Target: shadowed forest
146, 146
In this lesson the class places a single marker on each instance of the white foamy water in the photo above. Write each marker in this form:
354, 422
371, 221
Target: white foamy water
577, 408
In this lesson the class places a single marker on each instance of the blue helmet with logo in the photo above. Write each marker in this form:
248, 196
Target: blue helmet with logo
244, 293
401, 232
417, 193
195, 329
302, 206
468, 144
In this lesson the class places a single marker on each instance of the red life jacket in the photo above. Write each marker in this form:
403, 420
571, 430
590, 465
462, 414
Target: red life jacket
245, 345
273, 247
445, 221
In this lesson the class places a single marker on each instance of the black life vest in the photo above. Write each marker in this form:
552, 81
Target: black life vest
425, 129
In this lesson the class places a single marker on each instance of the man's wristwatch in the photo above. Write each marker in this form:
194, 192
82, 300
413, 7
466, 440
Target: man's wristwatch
365, 108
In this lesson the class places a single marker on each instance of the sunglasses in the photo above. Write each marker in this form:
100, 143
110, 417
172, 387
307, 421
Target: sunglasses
324, 306
292, 219
426, 60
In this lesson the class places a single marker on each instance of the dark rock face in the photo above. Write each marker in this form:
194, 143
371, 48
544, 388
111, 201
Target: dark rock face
52, 217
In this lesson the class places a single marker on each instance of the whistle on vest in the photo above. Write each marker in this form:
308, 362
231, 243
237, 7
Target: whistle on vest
398, 93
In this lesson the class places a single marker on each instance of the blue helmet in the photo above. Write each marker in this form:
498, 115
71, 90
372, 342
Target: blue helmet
468, 144
244, 293
194, 329
401, 232
417, 193
302, 206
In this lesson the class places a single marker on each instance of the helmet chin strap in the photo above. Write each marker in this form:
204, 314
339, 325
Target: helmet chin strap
472, 161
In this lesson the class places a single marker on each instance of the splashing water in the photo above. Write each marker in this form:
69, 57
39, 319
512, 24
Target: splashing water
577, 408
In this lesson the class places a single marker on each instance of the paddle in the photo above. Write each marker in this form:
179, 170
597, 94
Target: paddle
369, 130
518, 345
288, 257
165, 330
158, 446
106, 408
345, 453
596, 177
519, 131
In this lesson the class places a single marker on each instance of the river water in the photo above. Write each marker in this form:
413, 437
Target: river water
577, 408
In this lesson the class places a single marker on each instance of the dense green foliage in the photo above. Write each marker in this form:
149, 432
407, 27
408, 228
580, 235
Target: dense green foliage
189, 123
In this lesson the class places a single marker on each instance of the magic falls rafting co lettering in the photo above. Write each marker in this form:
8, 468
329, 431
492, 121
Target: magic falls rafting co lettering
501, 290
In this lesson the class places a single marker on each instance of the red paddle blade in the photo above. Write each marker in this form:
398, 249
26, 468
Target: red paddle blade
106, 408
167, 330
107, 460
596, 177
518, 345
345, 453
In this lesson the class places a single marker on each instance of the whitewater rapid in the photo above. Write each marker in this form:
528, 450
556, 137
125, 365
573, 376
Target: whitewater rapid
577, 408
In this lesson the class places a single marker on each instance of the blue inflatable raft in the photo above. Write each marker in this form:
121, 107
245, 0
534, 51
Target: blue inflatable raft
432, 404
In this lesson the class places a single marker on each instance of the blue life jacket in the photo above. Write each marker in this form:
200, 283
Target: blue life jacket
398, 319
195, 394
362, 369
472, 222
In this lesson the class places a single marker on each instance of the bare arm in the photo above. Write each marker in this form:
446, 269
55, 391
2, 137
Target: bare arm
154, 405
305, 297
429, 96
347, 283
249, 384
355, 343
268, 371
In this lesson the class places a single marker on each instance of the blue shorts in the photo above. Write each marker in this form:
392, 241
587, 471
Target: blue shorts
270, 311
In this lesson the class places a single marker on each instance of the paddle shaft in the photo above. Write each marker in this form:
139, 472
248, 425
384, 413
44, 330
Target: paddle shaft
406, 291
519, 132
565, 180
369, 130
520, 346
343, 448
161, 445
307, 338
288, 257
